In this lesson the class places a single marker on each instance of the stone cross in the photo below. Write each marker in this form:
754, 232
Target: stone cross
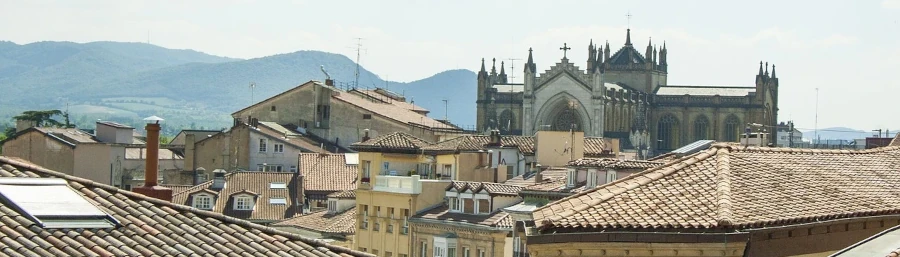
564, 49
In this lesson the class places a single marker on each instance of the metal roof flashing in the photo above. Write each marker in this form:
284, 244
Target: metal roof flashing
51, 203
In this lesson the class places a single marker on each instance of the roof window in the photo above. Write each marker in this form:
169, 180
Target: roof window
278, 200
51, 203
277, 185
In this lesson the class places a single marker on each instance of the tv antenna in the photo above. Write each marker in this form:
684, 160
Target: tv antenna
512, 67
358, 49
327, 76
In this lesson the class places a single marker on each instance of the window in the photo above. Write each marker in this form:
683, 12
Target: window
278, 201
243, 203
277, 185
390, 227
332, 206
402, 255
405, 229
571, 178
29, 197
453, 203
263, 145
423, 250
480, 252
610, 176
701, 128
388, 254
324, 111
592, 178
468, 205
732, 128
293, 168
367, 169
367, 116
365, 216
375, 252
484, 206
667, 132
203, 202
465, 252
279, 148
269, 168
273, 108
451, 252
447, 172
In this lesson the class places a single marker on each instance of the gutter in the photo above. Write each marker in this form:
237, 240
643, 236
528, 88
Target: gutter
459, 224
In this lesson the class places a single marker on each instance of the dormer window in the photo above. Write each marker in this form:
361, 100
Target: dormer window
571, 178
243, 203
453, 202
332, 206
202, 201
591, 178
611, 176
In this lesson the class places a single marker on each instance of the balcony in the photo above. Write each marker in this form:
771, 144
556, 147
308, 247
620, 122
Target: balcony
398, 184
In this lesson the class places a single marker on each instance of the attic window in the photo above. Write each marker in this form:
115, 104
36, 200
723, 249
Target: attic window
273, 108
39, 199
277, 185
278, 200
367, 116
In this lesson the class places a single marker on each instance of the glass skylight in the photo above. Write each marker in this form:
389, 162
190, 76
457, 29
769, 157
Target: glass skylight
277, 200
277, 185
51, 203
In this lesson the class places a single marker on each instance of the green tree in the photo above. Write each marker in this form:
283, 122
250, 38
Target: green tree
41, 118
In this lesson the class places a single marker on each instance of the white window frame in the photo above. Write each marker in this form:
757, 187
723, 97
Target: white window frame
332, 206
277, 185
454, 204
591, 178
611, 175
571, 178
202, 201
244, 203
263, 145
278, 201
278, 148
423, 251
293, 168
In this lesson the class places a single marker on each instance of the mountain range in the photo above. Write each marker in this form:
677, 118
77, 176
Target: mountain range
127, 81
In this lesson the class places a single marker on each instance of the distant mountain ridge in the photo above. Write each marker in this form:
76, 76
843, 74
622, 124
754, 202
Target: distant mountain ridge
128, 80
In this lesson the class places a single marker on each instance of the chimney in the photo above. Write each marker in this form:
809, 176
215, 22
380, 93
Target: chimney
538, 177
495, 138
366, 136
151, 165
218, 179
329, 82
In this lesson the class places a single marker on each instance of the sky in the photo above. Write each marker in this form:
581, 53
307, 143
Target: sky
836, 60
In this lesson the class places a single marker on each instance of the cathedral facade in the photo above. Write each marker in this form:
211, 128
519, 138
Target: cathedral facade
624, 95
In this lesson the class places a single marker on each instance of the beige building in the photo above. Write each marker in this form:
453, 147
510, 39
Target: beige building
623, 94
469, 223
113, 155
342, 117
728, 200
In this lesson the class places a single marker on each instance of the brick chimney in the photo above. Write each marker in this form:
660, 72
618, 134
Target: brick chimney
151, 165
329, 82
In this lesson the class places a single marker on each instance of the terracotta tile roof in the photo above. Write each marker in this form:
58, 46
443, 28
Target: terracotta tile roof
346, 194
147, 227
528, 178
895, 141
70, 136
254, 183
133, 153
393, 141
284, 135
393, 112
177, 188
339, 223
593, 146
324, 174
609, 163
496, 219
381, 96
666, 157
490, 188
556, 185
731, 186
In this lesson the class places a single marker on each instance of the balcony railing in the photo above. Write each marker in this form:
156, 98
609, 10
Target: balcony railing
398, 184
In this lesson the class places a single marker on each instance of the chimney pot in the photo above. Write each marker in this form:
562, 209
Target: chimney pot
218, 179
329, 82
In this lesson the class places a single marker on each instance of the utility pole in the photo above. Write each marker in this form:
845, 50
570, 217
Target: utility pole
816, 126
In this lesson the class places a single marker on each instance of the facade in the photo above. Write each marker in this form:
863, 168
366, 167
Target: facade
728, 200
625, 96
342, 117
336, 224
115, 222
788, 136
469, 223
113, 155
259, 197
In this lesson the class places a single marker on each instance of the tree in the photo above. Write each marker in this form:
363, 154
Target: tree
41, 118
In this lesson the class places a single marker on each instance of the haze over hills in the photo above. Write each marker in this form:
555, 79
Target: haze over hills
128, 81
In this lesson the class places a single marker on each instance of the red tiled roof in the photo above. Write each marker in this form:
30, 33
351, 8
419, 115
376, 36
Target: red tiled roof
546, 175
395, 141
593, 146
497, 219
147, 227
326, 173
346, 194
609, 163
338, 223
253, 183
490, 188
391, 111
733, 186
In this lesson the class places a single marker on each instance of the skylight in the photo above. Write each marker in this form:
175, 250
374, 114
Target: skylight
277, 200
51, 203
277, 185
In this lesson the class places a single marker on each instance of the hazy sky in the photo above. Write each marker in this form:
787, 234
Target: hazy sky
850, 50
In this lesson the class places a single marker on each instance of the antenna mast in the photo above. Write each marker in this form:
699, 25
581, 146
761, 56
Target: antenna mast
512, 66
358, 45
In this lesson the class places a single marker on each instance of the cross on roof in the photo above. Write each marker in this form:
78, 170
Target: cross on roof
564, 49
628, 16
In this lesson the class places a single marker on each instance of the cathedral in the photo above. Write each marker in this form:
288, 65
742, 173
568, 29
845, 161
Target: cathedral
624, 95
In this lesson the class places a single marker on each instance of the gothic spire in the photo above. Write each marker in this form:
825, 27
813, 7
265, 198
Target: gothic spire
530, 64
628, 37
482, 65
767, 68
760, 68
773, 70
502, 68
494, 66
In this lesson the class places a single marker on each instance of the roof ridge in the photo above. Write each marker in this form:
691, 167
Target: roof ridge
735, 148
724, 214
615, 188
178, 207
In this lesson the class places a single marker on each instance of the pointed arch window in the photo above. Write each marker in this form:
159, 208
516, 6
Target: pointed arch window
732, 128
667, 132
507, 122
701, 128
